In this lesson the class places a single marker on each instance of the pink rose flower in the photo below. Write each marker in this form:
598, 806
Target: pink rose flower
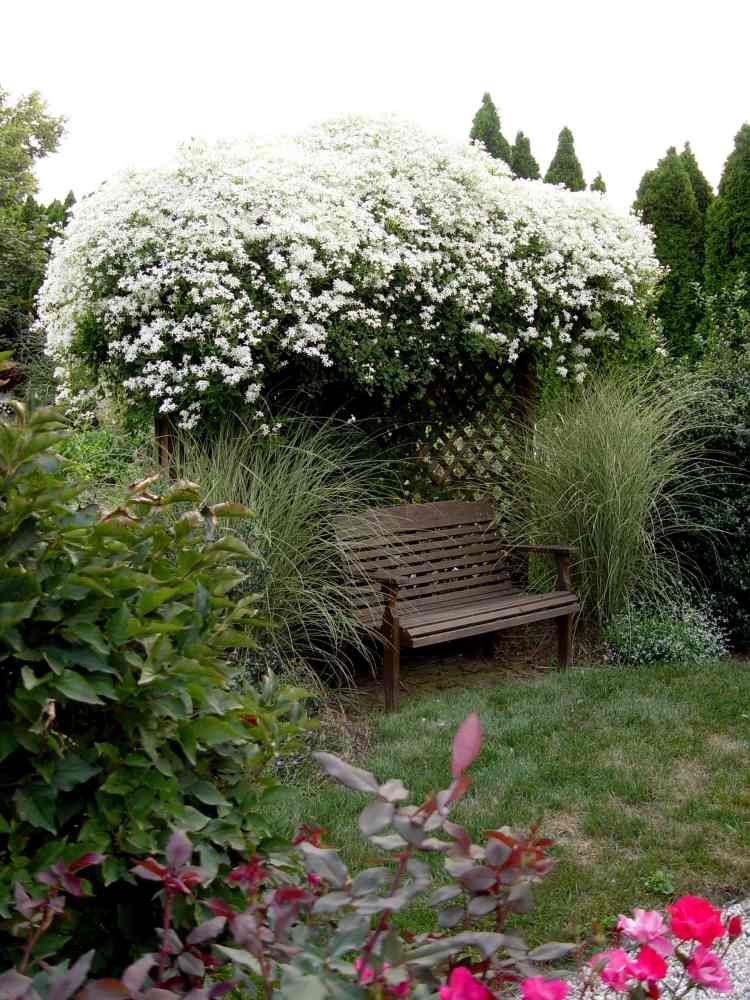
463, 986
705, 968
695, 919
539, 988
648, 927
649, 965
618, 969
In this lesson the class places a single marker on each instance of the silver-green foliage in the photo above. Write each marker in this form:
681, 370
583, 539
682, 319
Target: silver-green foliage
613, 470
675, 632
299, 485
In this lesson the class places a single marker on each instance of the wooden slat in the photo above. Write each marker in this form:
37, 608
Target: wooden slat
515, 604
416, 621
458, 582
411, 564
400, 545
496, 625
376, 538
418, 516
457, 598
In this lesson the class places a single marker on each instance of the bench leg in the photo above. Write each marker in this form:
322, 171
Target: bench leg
564, 642
391, 662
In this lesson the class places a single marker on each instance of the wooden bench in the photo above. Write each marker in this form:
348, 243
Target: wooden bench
445, 574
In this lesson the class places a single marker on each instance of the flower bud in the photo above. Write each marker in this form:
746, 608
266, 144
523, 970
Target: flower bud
734, 927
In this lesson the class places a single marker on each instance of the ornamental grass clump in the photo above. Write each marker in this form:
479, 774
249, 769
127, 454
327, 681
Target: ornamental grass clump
614, 469
299, 485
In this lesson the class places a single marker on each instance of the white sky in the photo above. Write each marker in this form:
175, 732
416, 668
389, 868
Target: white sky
629, 77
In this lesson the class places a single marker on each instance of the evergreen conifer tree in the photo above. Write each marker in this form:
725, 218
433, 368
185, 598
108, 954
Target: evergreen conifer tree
565, 167
666, 202
728, 220
486, 128
598, 184
704, 193
522, 163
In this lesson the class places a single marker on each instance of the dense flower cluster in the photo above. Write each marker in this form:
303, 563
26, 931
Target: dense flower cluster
363, 246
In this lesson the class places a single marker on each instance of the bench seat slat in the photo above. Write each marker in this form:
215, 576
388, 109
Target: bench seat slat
418, 621
494, 626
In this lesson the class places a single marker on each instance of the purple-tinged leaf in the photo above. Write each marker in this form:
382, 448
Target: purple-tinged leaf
480, 906
64, 985
551, 952
375, 817
433, 844
179, 850
352, 777
331, 902
393, 790
419, 870
91, 858
444, 893
466, 744
496, 852
191, 964
219, 989
326, 863
245, 930
458, 866
169, 940
411, 832
104, 989
479, 878
520, 899
24, 903
13, 985
459, 834
241, 958
390, 842
135, 975
197, 994
369, 880
451, 916
207, 931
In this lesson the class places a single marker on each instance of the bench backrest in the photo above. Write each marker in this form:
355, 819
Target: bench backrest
448, 550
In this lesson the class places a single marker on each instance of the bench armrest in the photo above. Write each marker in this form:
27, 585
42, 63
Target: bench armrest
563, 550
562, 554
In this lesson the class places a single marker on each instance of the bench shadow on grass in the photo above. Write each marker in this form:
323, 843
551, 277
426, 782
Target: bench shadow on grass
642, 775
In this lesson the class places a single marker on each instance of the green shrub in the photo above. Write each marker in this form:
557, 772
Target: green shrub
100, 456
612, 470
116, 718
674, 632
298, 486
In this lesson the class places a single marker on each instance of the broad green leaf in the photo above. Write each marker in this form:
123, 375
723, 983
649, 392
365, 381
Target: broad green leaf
73, 770
77, 688
211, 731
150, 600
208, 793
36, 805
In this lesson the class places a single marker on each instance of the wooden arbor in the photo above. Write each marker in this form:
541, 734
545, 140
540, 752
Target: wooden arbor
445, 574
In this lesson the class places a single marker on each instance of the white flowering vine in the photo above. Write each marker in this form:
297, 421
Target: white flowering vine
363, 251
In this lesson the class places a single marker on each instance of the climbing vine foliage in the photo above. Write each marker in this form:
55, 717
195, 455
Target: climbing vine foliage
362, 253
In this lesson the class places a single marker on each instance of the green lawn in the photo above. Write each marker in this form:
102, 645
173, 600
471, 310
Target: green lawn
641, 775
